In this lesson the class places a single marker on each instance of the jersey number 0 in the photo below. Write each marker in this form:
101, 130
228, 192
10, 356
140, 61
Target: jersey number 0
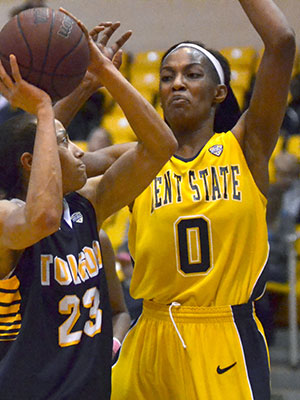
193, 244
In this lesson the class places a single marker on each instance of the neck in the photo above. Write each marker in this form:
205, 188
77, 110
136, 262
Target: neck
191, 141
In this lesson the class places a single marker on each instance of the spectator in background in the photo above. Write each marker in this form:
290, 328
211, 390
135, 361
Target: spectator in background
88, 118
295, 103
291, 121
283, 207
98, 139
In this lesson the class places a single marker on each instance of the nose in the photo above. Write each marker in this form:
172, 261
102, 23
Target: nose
77, 151
178, 82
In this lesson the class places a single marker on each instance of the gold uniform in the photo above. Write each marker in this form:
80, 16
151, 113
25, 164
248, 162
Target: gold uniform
198, 238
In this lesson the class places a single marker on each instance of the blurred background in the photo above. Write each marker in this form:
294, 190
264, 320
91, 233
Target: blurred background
157, 24
220, 24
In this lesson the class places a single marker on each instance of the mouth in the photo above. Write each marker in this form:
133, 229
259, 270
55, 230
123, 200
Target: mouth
82, 167
179, 100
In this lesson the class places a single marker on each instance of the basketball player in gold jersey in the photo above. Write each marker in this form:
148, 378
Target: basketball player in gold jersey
198, 234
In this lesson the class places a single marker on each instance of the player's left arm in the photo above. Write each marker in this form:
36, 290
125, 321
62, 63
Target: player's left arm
67, 108
121, 317
97, 162
258, 129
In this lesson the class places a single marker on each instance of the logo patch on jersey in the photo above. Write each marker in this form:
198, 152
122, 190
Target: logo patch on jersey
216, 150
77, 217
221, 371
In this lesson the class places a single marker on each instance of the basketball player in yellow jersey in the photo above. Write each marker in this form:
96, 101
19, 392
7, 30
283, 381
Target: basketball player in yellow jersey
198, 234
187, 206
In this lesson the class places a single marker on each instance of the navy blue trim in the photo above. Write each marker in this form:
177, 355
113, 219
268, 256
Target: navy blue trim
12, 303
193, 158
188, 159
9, 290
260, 285
255, 351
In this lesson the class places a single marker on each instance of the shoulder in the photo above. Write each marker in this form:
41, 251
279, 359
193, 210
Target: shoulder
89, 190
8, 206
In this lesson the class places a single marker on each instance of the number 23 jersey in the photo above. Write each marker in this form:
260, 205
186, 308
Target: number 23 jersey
198, 233
55, 317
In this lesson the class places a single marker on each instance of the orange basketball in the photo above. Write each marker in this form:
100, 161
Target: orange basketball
51, 50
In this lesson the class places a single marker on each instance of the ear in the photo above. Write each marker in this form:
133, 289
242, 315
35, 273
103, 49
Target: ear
220, 94
26, 161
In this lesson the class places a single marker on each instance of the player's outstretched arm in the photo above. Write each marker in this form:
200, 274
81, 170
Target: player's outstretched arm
259, 127
67, 108
135, 169
97, 162
21, 226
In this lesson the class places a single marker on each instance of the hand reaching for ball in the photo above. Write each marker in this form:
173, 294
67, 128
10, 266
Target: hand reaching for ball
20, 93
112, 53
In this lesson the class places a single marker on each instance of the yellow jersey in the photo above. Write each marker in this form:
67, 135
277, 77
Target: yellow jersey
198, 233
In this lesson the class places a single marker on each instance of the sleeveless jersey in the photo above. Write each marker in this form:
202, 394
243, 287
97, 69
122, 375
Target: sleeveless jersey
198, 233
55, 317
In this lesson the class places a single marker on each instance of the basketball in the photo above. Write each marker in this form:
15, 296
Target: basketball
52, 51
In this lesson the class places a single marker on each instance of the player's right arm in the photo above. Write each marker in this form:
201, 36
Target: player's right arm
137, 167
67, 108
39, 216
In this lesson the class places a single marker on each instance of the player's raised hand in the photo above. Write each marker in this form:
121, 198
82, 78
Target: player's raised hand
100, 53
20, 93
114, 51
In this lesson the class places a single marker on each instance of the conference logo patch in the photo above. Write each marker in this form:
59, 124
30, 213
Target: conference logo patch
77, 217
216, 150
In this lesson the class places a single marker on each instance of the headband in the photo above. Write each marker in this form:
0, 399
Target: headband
215, 62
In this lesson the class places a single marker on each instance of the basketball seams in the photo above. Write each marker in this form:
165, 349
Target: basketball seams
53, 63
48, 47
61, 60
25, 67
27, 45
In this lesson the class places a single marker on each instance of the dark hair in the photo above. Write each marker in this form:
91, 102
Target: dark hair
228, 112
17, 136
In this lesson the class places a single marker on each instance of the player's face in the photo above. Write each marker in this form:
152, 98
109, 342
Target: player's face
186, 88
73, 169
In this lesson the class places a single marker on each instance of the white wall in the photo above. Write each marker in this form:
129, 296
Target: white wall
157, 24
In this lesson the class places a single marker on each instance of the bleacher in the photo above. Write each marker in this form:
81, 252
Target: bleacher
142, 70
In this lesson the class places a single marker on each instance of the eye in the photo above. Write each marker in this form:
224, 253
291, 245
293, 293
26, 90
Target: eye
166, 78
64, 141
194, 75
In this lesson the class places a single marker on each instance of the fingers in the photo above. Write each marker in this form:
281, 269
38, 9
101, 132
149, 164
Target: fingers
5, 78
79, 23
5, 82
15, 68
100, 27
108, 33
110, 51
120, 42
117, 59
95, 31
